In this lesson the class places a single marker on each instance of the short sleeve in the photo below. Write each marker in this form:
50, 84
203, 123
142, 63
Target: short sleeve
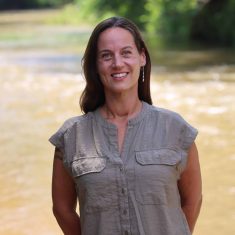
57, 139
189, 134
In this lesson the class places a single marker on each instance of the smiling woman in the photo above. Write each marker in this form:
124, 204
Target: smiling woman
119, 63
93, 95
133, 167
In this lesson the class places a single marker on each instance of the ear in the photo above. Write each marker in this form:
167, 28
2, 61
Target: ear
142, 58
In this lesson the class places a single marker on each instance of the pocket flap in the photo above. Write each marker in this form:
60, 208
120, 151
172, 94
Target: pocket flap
159, 156
86, 165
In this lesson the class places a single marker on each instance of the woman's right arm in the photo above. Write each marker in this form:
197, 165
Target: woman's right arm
64, 198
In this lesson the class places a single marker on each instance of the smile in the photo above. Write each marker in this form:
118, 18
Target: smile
119, 75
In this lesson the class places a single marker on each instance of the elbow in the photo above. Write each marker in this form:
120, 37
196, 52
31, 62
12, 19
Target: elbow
199, 204
195, 206
195, 202
200, 200
61, 211
56, 211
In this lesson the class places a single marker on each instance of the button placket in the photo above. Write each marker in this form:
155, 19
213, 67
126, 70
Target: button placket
124, 174
124, 203
123, 191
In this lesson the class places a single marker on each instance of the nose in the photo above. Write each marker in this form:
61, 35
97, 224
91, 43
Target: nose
117, 61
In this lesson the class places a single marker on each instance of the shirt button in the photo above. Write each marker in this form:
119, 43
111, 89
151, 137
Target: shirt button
121, 169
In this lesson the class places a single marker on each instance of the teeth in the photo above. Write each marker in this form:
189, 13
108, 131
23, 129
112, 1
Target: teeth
119, 75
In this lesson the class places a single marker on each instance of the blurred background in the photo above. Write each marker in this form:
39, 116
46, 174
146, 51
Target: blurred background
192, 46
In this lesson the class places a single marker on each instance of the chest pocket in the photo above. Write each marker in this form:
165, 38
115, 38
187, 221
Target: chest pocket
86, 165
95, 183
156, 175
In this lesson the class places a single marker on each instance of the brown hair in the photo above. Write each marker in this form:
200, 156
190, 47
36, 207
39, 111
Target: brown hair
93, 95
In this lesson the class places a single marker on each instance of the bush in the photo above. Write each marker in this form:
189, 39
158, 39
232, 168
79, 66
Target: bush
215, 23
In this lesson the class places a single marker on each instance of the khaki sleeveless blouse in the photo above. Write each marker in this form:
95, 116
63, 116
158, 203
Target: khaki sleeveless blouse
135, 192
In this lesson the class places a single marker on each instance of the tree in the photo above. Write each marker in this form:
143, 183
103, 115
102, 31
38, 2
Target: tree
215, 22
26, 4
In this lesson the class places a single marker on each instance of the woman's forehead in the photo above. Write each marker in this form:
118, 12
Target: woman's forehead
115, 36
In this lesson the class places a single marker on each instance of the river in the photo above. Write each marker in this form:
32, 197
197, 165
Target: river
40, 85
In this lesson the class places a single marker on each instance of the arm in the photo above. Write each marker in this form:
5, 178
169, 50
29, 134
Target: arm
190, 188
64, 198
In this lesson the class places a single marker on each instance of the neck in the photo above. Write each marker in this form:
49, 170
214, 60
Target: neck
121, 108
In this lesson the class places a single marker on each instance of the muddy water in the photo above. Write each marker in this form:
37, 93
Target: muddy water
40, 85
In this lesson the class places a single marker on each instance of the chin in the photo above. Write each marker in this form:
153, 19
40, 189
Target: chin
124, 88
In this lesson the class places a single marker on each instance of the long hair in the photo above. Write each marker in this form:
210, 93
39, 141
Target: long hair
93, 95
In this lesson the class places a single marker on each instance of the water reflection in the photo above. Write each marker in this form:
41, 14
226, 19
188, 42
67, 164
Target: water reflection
44, 62
40, 88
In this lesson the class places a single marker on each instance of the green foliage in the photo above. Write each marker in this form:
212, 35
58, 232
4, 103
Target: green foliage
131, 9
215, 23
101, 9
76, 14
25, 4
69, 15
87, 10
174, 20
170, 18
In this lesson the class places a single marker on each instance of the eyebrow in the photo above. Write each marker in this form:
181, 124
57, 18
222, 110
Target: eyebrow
127, 47
107, 50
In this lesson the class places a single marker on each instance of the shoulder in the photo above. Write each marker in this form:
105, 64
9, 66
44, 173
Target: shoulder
173, 124
165, 114
168, 119
77, 120
67, 129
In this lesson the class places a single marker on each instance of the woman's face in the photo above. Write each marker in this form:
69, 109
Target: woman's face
118, 60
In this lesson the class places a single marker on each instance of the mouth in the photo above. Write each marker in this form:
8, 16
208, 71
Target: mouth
119, 75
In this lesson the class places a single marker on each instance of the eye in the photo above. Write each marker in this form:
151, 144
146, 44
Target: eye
126, 53
106, 56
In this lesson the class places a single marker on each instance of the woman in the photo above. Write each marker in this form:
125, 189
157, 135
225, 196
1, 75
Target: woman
133, 167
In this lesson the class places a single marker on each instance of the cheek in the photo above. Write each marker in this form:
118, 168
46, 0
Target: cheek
138, 61
102, 69
136, 65
103, 74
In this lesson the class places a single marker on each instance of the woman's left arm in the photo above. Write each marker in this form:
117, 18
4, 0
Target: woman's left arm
190, 188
